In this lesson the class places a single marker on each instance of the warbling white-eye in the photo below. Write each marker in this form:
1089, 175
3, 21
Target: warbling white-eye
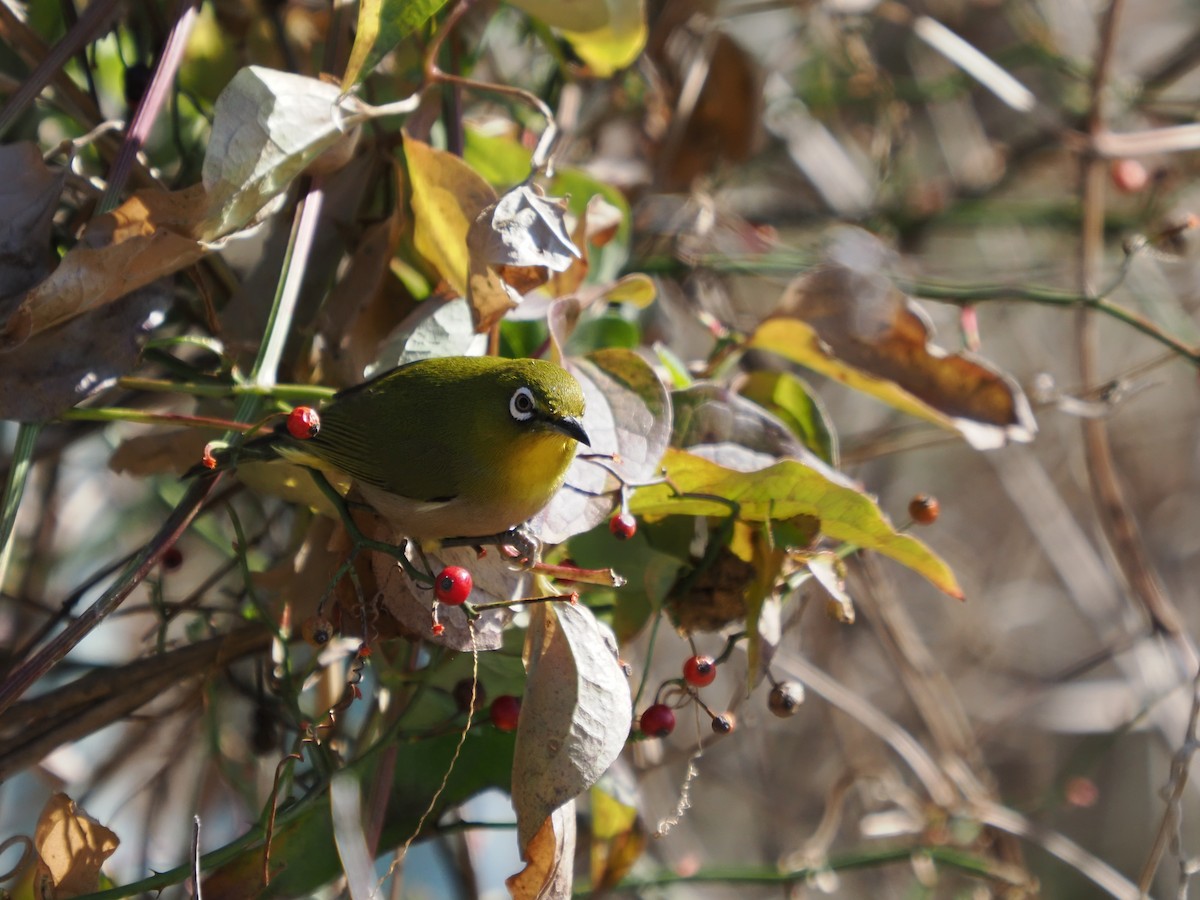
447, 447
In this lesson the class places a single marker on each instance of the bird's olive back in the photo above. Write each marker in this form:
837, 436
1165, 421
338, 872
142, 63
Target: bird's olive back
427, 429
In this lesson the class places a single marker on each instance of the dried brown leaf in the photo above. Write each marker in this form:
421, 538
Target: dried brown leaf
865, 323
72, 846
29, 194
145, 238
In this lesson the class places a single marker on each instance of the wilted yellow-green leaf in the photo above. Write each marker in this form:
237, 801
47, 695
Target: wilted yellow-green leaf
798, 342
783, 491
447, 196
847, 319
618, 838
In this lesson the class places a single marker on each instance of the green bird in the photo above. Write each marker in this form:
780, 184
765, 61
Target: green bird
447, 447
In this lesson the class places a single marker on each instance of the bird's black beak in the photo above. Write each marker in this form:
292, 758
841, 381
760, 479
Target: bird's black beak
572, 427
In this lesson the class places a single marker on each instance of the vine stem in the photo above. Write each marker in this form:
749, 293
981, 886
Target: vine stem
25, 675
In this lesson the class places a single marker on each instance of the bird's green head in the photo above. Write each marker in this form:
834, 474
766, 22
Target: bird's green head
541, 397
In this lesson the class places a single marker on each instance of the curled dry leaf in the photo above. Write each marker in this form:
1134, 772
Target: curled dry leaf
524, 228
848, 320
513, 245
72, 848
549, 859
575, 715
268, 127
628, 413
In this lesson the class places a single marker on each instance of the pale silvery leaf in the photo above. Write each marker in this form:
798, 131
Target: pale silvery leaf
268, 127
628, 412
575, 716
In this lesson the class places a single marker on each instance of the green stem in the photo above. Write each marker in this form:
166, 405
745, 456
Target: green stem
18, 474
287, 294
963, 295
288, 392
141, 417
944, 856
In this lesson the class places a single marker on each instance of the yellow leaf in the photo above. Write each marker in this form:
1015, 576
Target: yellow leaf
616, 45
447, 196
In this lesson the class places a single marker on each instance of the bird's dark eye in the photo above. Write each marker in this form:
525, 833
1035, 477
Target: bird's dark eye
521, 405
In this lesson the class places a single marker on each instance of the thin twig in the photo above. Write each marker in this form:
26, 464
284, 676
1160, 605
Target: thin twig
1171, 820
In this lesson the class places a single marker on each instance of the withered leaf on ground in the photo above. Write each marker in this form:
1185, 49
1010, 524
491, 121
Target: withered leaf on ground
848, 320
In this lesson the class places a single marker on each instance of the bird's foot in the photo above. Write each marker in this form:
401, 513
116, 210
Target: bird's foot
523, 550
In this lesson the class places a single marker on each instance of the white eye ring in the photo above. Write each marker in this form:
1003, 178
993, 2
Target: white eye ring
521, 406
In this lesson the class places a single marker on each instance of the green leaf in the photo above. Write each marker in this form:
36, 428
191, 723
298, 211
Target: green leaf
382, 24
794, 403
302, 854
650, 562
782, 491
606, 330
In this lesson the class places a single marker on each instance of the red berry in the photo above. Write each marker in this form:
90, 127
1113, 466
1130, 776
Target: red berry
623, 526
699, 671
658, 720
1129, 176
172, 558
505, 711
303, 423
453, 585
924, 509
